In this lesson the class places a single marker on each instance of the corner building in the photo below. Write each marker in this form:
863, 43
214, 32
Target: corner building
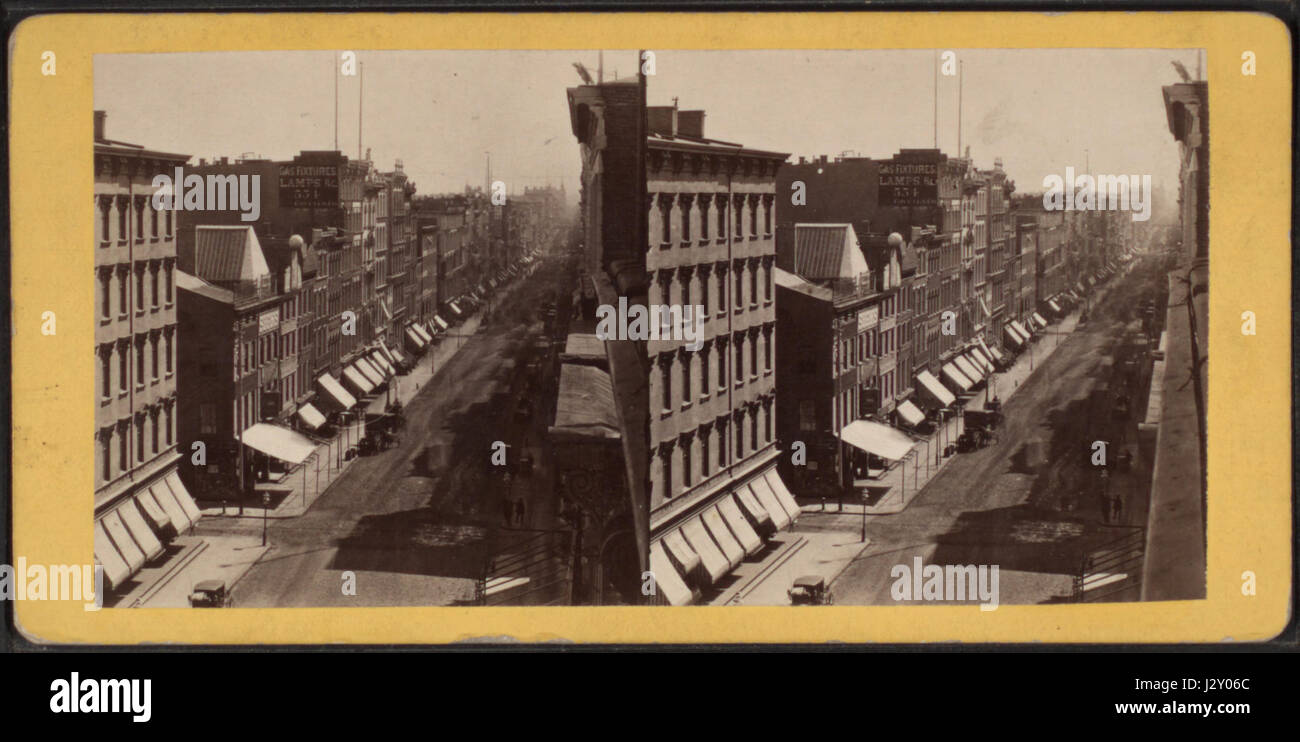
699, 425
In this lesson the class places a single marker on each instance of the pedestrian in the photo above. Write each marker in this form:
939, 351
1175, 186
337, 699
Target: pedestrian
519, 511
506, 510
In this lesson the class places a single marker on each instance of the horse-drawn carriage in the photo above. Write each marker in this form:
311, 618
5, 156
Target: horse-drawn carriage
980, 429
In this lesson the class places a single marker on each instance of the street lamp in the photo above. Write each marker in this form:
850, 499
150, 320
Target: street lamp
266, 508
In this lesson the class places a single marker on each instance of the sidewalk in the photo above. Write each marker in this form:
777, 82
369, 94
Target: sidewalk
208, 557
826, 541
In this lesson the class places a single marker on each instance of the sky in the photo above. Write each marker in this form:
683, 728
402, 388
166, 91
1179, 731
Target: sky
441, 112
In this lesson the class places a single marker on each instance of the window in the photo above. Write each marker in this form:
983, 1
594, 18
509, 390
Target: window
139, 438
668, 385
767, 216
722, 218
153, 224
686, 379
704, 217
665, 221
704, 373
106, 372
704, 296
106, 295
153, 351
739, 208
122, 371
167, 281
686, 462
753, 431
722, 292
122, 207
740, 288
722, 367
154, 433
666, 457
769, 281
139, 364
753, 286
740, 358
740, 439
767, 352
167, 222
153, 280
704, 452
686, 220
105, 207
122, 447
168, 354
753, 357
139, 219
722, 443
123, 279
106, 446
168, 412
767, 422
753, 219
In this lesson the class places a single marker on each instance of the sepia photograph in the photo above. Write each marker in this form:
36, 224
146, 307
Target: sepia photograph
636, 327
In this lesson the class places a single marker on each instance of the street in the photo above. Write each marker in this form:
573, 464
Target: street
1017, 504
415, 523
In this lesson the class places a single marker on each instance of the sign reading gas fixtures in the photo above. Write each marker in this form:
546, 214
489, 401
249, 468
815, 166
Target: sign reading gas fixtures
311, 181
909, 183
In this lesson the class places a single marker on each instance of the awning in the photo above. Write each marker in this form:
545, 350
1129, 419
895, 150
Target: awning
336, 393
455, 309
372, 365
179, 518
398, 358
126, 546
368, 372
1024, 334
979, 356
754, 509
715, 562
281, 443
956, 377
878, 439
991, 351
1055, 307
358, 380
910, 413
937, 391
183, 498
722, 536
310, 416
387, 353
783, 495
115, 567
424, 334
1040, 320
667, 578
380, 361
740, 527
153, 512
969, 369
140, 531
682, 552
441, 323
415, 338
1014, 338
767, 498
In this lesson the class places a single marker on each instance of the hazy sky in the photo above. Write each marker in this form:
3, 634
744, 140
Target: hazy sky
439, 112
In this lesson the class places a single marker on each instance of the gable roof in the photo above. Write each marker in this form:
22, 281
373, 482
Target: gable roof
228, 253
194, 284
824, 251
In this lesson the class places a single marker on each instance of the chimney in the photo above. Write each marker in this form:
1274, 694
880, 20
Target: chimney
99, 125
821, 159
690, 123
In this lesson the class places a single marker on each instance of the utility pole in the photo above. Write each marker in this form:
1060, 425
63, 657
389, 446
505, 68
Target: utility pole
361, 73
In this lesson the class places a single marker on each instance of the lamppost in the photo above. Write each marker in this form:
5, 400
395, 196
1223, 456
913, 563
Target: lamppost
266, 508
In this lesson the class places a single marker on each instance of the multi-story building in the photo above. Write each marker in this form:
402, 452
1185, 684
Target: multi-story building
698, 425
140, 501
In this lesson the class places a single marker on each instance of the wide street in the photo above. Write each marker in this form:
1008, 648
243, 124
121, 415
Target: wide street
1024, 503
415, 523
